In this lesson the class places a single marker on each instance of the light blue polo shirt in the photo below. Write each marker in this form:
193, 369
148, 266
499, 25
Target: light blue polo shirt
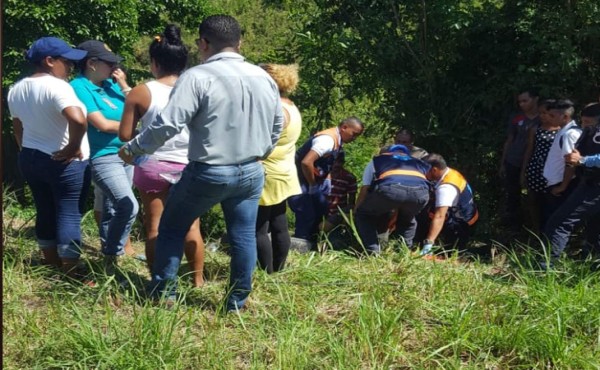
107, 100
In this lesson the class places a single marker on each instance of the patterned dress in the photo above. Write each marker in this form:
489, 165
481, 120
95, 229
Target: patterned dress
535, 167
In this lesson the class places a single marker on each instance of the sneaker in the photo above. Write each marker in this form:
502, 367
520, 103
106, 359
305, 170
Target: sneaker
302, 245
383, 237
111, 265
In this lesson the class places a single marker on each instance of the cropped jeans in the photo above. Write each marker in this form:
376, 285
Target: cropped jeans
119, 208
59, 191
237, 188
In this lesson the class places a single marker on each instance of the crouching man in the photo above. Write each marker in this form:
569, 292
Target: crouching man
392, 180
454, 211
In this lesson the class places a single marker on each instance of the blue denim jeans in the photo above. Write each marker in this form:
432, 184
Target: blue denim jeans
309, 210
409, 200
583, 204
119, 206
237, 188
59, 191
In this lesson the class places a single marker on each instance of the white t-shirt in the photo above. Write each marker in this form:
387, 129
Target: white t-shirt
38, 103
554, 168
324, 144
176, 148
446, 195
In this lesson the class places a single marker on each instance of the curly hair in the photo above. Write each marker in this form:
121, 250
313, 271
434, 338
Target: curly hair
285, 75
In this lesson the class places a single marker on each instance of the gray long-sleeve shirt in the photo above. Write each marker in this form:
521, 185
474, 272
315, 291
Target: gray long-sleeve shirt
232, 109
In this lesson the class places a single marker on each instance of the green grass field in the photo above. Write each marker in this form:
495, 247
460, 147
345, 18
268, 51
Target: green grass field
329, 311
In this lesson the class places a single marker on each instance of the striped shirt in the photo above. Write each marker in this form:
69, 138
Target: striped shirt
343, 186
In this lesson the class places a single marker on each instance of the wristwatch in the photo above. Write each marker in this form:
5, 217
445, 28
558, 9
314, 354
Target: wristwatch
427, 241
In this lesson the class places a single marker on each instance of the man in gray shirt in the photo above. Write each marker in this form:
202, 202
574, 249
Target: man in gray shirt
234, 115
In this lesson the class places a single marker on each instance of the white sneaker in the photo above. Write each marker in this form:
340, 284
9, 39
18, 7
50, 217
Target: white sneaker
301, 245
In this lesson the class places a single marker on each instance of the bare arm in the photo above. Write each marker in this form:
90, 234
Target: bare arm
437, 223
308, 167
136, 105
567, 177
77, 129
18, 129
527, 155
98, 120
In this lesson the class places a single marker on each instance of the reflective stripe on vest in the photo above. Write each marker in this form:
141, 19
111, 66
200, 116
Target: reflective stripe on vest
457, 180
403, 173
474, 219
332, 133
453, 177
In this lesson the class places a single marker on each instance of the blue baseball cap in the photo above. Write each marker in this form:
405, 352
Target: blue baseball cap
53, 47
398, 148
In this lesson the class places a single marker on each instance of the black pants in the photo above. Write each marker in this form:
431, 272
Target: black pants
272, 253
554, 202
408, 200
455, 235
512, 184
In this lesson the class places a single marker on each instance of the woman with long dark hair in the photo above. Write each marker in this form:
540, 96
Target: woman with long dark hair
154, 177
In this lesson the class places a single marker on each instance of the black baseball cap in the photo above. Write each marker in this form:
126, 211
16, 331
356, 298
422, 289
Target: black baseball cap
592, 110
98, 49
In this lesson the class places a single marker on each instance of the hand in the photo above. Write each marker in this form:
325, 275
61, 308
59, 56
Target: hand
68, 154
557, 190
313, 189
426, 251
125, 155
120, 78
573, 158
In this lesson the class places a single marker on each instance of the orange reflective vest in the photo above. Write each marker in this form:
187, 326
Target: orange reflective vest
465, 210
324, 164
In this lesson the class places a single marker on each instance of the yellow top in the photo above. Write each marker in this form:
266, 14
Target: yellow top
281, 178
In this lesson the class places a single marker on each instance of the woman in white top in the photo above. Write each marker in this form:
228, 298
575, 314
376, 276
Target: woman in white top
154, 177
50, 128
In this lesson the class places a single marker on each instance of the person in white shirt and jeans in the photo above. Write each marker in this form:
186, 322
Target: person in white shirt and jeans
560, 178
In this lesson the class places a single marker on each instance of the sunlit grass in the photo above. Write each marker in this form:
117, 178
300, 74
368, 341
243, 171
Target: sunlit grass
329, 310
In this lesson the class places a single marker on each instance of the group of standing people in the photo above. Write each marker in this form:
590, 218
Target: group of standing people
552, 156
224, 132
227, 119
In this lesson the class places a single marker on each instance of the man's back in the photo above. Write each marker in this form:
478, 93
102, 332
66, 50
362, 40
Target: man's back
230, 106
